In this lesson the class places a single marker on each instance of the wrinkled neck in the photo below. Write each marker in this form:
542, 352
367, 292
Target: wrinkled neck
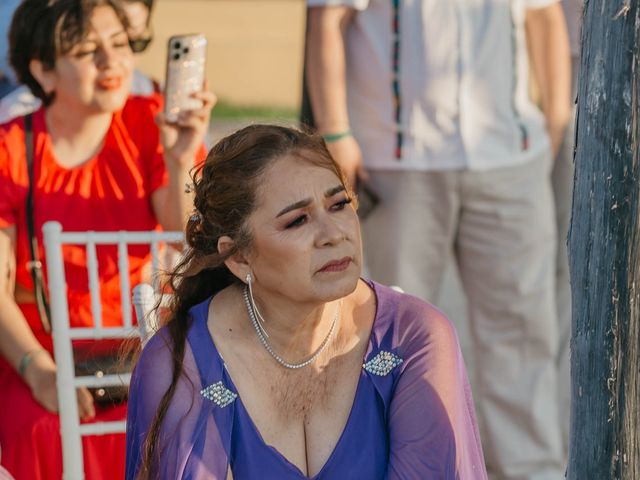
296, 329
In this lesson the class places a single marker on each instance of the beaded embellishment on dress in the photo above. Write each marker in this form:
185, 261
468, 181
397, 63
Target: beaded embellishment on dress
382, 363
219, 394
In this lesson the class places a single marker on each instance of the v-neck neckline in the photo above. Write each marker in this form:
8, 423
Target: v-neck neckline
282, 458
203, 320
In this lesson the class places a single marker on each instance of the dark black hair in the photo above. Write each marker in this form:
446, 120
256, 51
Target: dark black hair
46, 29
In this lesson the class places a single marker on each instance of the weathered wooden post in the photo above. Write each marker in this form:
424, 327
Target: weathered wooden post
604, 248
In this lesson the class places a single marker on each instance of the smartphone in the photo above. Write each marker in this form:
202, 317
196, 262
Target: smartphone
185, 74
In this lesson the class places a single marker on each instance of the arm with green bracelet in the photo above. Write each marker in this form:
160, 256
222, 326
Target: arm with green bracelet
334, 137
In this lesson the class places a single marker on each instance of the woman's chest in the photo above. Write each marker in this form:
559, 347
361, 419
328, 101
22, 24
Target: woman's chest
341, 436
99, 195
302, 414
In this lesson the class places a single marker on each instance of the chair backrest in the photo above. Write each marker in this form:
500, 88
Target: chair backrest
146, 303
63, 334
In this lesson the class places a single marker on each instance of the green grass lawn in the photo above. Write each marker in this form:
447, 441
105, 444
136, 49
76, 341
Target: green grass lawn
227, 111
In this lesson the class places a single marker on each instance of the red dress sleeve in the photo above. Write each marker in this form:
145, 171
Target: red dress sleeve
13, 172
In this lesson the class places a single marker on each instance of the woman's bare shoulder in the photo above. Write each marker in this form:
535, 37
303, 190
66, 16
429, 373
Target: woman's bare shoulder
226, 310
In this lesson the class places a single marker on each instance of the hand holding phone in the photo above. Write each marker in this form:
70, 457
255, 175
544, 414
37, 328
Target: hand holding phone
185, 74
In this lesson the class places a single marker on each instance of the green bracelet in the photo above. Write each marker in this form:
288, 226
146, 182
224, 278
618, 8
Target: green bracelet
334, 137
27, 359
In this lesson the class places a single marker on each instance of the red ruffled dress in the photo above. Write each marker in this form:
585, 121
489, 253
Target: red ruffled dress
109, 192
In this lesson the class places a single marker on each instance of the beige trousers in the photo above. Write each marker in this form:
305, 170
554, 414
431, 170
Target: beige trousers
501, 226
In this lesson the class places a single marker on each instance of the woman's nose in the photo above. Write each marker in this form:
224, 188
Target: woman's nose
108, 55
331, 231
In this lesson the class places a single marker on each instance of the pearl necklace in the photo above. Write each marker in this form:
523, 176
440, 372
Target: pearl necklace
259, 331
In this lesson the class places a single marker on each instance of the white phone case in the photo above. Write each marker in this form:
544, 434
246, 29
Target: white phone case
185, 74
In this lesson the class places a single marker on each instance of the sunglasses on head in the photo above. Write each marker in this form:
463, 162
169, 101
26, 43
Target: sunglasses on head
139, 45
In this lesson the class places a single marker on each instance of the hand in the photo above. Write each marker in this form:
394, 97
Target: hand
40, 376
556, 136
182, 139
346, 152
557, 124
86, 408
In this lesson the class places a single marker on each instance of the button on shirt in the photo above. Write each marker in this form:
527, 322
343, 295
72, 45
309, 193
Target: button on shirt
463, 84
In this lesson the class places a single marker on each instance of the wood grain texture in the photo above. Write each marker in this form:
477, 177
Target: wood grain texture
604, 243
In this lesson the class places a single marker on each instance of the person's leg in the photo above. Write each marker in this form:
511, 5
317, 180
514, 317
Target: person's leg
562, 181
506, 253
30, 437
408, 235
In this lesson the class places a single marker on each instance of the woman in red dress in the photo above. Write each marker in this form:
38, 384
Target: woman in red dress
102, 161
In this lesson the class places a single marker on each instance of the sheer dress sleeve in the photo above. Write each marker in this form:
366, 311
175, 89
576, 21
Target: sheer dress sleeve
190, 445
432, 425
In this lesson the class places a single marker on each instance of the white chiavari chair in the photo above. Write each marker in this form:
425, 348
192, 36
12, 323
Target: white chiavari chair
63, 335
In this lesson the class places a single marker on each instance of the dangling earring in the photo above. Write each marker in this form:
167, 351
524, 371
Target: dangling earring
254, 307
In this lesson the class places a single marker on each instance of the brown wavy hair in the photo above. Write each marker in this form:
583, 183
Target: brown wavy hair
226, 188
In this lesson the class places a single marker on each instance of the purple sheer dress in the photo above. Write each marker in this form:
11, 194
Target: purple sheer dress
412, 415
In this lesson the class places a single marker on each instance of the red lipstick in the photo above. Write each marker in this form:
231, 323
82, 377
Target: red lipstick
110, 83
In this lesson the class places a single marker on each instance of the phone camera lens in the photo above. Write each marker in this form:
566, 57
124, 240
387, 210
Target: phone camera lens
177, 45
185, 50
176, 56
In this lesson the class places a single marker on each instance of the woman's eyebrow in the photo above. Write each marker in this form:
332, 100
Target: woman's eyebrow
303, 203
332, 191
92, 36
294, 206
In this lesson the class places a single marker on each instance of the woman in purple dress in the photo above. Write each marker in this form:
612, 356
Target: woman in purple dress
277, 360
